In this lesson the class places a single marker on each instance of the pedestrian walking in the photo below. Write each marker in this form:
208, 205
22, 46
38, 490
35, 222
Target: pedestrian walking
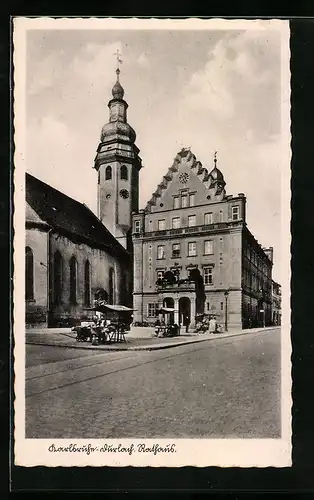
187, 324
212, 325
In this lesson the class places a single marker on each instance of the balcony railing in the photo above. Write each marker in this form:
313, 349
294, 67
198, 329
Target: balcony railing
189, 230
176, 287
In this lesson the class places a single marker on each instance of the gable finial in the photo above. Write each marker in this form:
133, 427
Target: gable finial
215, 158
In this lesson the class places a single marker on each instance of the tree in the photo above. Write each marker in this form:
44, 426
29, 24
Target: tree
196, 277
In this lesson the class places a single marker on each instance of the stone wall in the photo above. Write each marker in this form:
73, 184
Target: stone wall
100, 264
36, 309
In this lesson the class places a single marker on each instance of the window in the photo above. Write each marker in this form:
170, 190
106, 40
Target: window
176, 202
192, 249
137, 226
175, 222
208, 275
57, 277
192, 200
152, 309
87, 283
161, 225
124, 172
176, 250
29, 274
184, 200
221, 216
108, 175
160, 252
73, 280
235, 213
191, 220
208, 219
111, 296
160, 275
208, 247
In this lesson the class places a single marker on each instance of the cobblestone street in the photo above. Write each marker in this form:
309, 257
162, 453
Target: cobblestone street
227, 387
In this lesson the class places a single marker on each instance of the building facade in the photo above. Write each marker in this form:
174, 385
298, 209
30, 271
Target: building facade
276, 303
73, 256
190, 223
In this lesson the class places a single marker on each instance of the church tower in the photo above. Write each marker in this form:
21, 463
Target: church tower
118, 164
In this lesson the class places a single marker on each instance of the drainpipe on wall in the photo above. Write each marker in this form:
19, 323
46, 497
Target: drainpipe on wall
48, 275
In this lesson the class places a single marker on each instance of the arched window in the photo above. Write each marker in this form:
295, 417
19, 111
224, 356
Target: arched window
57, 277
124, 172
87, 283
29, 274
73, 280
111, 286
108, 175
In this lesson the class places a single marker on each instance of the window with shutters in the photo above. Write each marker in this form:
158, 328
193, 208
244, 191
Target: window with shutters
192, 249
208, 247
176, 250
208, 219
191, 220
175, 222
160, 252
208, 275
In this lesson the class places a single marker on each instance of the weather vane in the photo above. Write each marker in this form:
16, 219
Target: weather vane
119, 61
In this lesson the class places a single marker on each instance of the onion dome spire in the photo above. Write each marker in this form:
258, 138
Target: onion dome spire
216, 174
118, 91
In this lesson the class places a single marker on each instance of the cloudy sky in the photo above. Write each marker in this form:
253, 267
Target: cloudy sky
208, 90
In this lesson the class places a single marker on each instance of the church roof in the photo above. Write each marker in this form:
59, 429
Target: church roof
66, 215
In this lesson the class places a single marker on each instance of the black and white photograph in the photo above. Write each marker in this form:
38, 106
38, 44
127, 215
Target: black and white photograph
152, 242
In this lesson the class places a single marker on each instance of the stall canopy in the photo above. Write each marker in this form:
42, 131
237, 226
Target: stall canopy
110, 307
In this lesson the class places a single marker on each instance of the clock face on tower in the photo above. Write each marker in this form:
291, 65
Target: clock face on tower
124, 193
184, 177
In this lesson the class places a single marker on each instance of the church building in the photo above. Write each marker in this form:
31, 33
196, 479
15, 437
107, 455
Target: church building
73, 256
189, 224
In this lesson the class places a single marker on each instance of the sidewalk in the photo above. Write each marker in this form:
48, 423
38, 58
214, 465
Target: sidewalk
64, 337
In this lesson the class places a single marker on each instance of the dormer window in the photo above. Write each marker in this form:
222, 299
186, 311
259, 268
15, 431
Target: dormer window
176, 202
184, 200
192, 200
235, 212
137, 226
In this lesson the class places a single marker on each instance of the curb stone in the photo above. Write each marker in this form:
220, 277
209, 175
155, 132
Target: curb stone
156, 346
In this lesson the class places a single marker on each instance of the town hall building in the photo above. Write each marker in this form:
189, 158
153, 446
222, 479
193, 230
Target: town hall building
191, 223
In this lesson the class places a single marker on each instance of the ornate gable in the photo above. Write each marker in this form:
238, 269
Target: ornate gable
186, 174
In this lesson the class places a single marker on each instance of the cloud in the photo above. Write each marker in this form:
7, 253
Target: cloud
143, 60
240, 76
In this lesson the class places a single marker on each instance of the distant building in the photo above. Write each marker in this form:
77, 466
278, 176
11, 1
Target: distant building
276, 303
72, 256
190, 223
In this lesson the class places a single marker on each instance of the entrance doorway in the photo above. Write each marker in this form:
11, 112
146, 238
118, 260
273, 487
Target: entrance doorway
184, 311
169, 302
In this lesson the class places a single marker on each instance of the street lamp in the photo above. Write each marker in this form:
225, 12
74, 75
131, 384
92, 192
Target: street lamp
226, 310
